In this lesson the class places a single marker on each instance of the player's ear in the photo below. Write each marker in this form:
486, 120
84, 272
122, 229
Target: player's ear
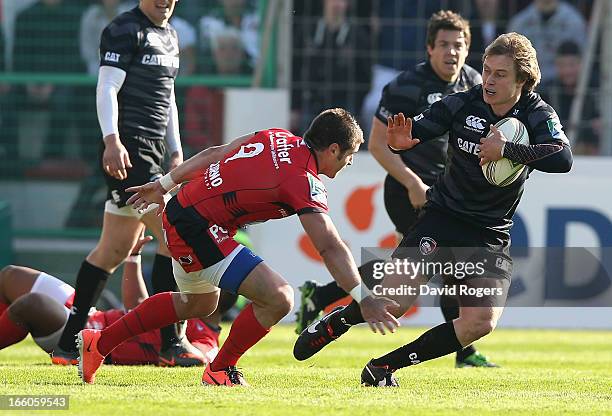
334, 148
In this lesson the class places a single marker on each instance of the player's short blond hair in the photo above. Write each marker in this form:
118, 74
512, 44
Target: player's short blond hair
520, 49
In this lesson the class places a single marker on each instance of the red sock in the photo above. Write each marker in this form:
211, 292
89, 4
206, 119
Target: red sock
155, 312
10, 332
246, 331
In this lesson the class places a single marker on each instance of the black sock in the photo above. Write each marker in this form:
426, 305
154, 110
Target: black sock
450, 309
349, 316
437, 342
162, 280
327, 294
331, 292
90, 282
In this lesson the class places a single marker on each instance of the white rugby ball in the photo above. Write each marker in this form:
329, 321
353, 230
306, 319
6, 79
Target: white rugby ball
503, 172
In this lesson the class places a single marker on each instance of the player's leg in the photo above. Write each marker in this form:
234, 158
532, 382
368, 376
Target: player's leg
272, 299
468, 356
174, 350
120, 232
475, 321
394, 285
314, 298
16, 281
34, 313
204, 333
155, 312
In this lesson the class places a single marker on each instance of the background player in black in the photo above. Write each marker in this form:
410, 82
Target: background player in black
139, 61
463, 209
412, 173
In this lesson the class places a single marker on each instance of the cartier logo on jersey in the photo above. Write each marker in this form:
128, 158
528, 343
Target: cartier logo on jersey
476, 124
468, 146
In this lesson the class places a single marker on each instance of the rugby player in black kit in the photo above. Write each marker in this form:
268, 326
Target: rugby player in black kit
463, 209
411, 174
139, 61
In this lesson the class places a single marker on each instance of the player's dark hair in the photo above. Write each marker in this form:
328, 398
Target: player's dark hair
519, 48
335, 125
447, 20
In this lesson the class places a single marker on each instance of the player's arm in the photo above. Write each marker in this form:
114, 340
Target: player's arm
341, 265
133, 288
153, 192
392, 163
549, 151
404, 133
173, 135
115, 159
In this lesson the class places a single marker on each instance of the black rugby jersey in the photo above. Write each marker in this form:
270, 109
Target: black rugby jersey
462, 189
149, 55
411, 92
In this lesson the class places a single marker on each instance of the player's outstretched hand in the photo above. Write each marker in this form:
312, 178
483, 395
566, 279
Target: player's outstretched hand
375, 311
147, 194
399, 132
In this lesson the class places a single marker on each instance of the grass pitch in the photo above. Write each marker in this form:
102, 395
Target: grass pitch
544, 372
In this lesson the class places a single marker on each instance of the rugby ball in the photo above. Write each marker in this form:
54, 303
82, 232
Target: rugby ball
503, 172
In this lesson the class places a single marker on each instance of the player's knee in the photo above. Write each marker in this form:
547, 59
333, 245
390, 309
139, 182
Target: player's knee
6, 273
482, 327
195, 309
26, 304
281, 300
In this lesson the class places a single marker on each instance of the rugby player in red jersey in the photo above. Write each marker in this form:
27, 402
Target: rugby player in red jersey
266, 175
35, 302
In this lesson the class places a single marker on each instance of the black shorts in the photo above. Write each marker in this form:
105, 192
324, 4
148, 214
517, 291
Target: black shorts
147, 156
398, 206
439, 238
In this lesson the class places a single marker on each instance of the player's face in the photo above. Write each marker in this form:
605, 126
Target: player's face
448, 54
158, 11
500, 86
339, 159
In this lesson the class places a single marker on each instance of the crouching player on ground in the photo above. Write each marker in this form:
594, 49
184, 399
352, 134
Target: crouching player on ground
35, 302
266, 175
464, 213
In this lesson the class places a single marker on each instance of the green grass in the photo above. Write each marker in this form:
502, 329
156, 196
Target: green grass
544, 372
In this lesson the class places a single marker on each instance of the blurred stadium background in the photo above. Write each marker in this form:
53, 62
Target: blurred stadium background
250, 64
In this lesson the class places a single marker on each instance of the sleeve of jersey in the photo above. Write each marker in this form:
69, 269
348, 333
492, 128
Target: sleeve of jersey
392, 103
550, 151
435, 121
118, 44
306, 194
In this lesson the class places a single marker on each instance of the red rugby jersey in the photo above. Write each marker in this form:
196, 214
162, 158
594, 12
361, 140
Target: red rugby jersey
272, 175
